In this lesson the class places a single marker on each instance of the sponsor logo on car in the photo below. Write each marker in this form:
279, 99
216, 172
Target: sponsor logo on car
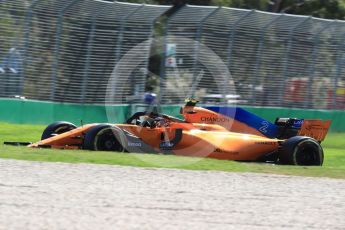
134, 144
265, 143
215, 119
297, 123
166, 144
264, 127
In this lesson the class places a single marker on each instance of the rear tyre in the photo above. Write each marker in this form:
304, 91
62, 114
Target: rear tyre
103, 138
300, 150
57, 128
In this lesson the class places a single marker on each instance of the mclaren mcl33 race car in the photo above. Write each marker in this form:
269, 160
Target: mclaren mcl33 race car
216, 132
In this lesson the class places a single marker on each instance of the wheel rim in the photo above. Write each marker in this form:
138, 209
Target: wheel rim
106, 141
308, 154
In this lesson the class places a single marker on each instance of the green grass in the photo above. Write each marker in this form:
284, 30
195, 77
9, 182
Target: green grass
334, 164
334, 140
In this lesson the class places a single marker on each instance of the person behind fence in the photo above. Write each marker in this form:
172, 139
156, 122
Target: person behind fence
149, 96
10, 69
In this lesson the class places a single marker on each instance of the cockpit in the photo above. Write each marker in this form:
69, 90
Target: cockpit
152, 119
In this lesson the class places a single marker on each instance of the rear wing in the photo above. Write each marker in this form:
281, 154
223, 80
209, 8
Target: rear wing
316, 129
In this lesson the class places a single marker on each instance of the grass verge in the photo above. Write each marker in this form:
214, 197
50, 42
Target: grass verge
334, 165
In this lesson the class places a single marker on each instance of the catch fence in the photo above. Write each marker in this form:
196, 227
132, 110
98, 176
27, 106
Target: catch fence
101, 52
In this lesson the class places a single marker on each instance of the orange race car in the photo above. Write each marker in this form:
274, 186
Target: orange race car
217, 132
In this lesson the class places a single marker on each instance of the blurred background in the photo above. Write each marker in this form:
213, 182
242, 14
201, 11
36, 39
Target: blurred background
284, 54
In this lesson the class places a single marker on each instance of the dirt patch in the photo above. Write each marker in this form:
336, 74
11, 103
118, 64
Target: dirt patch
36, 195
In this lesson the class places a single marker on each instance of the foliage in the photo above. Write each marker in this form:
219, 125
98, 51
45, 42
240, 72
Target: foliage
331, 9
244, 4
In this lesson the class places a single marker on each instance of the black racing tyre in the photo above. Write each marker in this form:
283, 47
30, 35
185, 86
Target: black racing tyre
300, 150
103, 137
57, 128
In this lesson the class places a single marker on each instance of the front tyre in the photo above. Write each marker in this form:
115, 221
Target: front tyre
57, 128
103, 138
300, 150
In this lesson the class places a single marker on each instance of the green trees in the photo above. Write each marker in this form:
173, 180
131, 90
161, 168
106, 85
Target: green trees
330, 9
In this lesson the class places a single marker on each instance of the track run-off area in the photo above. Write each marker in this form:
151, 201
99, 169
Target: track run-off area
37, 195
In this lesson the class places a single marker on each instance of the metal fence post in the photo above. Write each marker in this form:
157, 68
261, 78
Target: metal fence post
316, 40
287, 56
152, 38
55, 64
88, 54
259, 53
197, 47
27, 29
232, 35
162, 74
339, 67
